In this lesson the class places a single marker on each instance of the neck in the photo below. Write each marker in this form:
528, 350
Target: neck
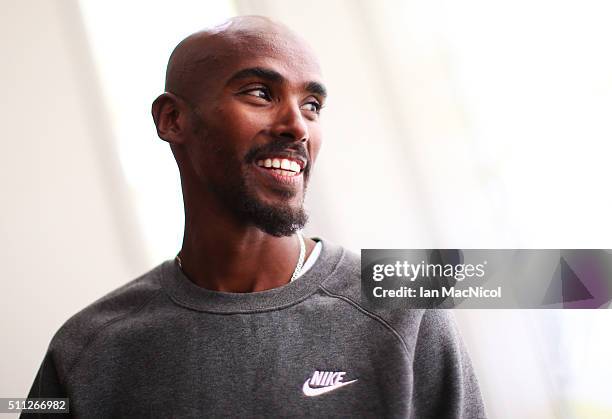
220, 254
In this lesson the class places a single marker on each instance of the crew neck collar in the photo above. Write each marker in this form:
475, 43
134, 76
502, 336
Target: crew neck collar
187, 294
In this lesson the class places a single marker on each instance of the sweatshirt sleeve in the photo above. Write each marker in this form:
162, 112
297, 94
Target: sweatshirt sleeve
445, 385
46, 385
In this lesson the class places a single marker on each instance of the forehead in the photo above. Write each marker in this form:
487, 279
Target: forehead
289, 57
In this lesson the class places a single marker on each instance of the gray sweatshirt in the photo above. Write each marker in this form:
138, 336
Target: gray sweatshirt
160, 346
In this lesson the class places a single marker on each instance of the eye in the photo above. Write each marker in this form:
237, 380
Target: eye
260, 92
312, 106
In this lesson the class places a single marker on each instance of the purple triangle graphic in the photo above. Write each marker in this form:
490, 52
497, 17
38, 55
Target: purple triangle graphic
572, 289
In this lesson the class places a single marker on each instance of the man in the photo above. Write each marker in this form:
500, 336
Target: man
251, 319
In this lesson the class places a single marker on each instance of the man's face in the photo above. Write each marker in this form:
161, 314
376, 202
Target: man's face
256, 133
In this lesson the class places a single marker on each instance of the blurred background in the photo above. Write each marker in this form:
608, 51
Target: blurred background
450, 123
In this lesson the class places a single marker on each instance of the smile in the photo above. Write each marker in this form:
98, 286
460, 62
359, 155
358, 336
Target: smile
281, 166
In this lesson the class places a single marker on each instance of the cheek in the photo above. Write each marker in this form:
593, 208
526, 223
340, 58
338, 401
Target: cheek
237, 126
211, 157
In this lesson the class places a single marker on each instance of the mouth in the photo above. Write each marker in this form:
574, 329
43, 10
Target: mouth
286, 170
284, 166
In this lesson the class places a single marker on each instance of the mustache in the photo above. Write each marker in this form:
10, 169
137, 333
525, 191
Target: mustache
278, 146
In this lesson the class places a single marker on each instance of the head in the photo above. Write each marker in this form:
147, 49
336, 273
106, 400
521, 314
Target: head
241, 99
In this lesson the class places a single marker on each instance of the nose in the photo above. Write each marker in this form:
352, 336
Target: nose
289, 123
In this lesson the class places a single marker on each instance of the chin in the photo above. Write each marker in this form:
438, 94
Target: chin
290, 205
281, 197
276, 217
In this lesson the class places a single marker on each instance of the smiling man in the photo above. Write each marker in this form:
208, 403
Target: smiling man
251, 319
241, 113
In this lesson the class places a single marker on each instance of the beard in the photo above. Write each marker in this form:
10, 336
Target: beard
278, 220
275, 220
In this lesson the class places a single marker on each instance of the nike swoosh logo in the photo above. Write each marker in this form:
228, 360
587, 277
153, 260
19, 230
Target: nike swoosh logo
310, 392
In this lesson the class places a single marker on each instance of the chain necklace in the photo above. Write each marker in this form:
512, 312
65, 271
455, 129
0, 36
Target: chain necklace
298, 267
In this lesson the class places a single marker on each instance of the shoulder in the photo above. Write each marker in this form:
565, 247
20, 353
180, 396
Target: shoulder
345, 283
81, 329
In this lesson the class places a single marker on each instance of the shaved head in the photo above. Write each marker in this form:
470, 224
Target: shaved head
204, 54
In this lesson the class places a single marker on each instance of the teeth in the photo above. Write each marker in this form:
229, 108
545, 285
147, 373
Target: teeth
283, 167
285, 164
284, 172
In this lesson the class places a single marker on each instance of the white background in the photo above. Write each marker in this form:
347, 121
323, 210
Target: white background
461, 124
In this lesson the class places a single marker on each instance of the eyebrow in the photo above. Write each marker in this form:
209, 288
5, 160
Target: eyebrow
260, 72
316, 88
274, 76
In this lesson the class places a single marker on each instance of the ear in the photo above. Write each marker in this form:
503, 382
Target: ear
170, 118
